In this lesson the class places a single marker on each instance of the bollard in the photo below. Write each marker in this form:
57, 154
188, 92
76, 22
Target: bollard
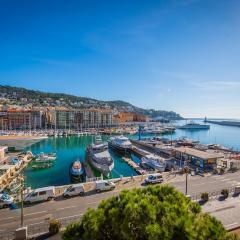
21, 233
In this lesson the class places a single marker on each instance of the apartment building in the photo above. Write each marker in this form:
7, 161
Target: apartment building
78, 119
18, 119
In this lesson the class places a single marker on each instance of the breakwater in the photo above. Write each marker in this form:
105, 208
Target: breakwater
224, 123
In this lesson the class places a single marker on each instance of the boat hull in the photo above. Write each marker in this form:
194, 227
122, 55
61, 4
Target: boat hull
77, 177
119, 149
104, 169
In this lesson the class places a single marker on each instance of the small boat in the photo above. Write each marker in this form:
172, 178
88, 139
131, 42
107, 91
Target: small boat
42, 166
77, 172
42, 157
99, 157
154, 162
120, 143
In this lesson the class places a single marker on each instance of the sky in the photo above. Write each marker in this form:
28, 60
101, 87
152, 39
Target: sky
179, 55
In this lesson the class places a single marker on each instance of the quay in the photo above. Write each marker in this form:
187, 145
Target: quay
9, 172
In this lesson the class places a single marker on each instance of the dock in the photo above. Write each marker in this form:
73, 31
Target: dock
134, 165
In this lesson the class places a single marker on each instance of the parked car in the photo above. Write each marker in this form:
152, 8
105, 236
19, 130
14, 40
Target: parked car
104, 185
5, 200
154, 178
74, 190
40, 194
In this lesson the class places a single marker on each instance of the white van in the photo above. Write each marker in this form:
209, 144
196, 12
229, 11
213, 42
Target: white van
5, 200
154, 178
74, 190
104, 185
40, 194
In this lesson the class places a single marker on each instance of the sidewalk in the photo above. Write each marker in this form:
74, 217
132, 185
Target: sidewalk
226, 211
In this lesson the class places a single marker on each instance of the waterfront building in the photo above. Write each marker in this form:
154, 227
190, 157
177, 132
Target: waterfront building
21, 119
79, 118
196, 158
123, 117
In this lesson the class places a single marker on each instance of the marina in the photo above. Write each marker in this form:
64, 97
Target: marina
53, 169
70, 148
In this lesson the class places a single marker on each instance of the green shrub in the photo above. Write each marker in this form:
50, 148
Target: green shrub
204, 197
156, 212
73, 231
54, 226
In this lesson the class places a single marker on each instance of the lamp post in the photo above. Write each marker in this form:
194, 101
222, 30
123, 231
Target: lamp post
21, 178
186, 170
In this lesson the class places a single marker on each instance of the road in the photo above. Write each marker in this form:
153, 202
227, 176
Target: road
77, 206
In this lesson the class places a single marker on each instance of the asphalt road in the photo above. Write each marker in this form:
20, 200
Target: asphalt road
77, 206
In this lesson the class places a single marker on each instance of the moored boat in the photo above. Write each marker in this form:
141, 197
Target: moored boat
43, 157
120, 143
77, 172
99, 157
195, 126
154, 162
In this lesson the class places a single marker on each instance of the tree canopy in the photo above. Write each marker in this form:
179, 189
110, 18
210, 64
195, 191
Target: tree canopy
152, 213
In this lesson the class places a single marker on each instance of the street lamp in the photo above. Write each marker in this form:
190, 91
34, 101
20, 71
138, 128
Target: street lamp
186, 170
21, 178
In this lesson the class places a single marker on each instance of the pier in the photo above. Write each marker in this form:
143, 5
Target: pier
134, 165
224, 123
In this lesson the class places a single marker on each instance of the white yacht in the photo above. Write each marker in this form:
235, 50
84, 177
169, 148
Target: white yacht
42, 157
99, 157
120, 143
154, 162
195, 126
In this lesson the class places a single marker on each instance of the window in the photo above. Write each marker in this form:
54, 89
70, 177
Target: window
34, 194
42, 193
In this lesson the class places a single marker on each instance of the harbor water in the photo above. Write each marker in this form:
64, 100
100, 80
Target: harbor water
71, 148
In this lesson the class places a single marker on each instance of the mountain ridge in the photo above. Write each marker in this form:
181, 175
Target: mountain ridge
19, 96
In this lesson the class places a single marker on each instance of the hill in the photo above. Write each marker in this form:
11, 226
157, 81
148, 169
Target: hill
26, 97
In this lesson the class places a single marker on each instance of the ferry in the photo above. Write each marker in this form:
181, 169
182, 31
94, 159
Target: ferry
195, 126
120, 143
77, 172
154, 162
99, 157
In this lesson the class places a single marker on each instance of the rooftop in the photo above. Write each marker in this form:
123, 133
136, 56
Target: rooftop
196, 153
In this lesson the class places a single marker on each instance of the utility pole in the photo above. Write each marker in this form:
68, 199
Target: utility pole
22, 186
186, 170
